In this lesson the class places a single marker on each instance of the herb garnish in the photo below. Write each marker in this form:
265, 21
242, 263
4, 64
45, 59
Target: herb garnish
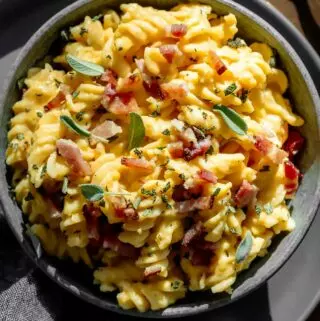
147, 192
244, 248
230, 89
166, 188
138, 152
70, 123
236, 43
84, 67
166, 132
268, 208
136, 131
91, 192
232, 119
216, 191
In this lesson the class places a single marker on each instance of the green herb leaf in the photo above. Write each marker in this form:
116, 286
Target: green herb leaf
65, 185
236, 43
232, 119
136, 131
148, 193
166, 188
166, 132
230, 89
75, 94
216, 191
244, 248
84, 67
91, 192
70, 123
268, 208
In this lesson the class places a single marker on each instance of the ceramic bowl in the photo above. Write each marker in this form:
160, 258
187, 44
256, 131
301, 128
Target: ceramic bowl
304, 96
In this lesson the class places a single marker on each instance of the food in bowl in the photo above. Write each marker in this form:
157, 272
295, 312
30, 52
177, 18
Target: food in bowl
158, 149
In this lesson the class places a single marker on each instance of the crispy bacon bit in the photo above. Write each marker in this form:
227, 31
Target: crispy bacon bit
107, 129
194, 232
201, 253
71, 153
294, 143
109, 77
201, 203
154, 89
123, 104
245, 194
198, 150
91, 214
136, 163
262, 144
176, 149
207, 176
188, 137
178, 30
127, 213
175, 91
152, 270
169, 52
57, 101
218, 64
180, 193
113, 243
291, 172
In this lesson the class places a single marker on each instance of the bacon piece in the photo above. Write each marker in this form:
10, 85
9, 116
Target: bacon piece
109, 77
127, 213
188, 137
57, 101
245, 194
113, 243
207, 176
291, 172
175, 91
108, 95
218, 64
178, 30
263, 145
176, 149
181, 193
123, 104
194, 232
198, 150
152, 270
71, 153
91, 215
136, 163
201, 203
107, 129
202, 256
154, 89
169, 52
294, 143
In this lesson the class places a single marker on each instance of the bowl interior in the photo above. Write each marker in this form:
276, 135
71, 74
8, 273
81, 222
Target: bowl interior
305, 100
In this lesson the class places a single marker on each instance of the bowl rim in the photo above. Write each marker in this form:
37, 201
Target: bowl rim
64, 280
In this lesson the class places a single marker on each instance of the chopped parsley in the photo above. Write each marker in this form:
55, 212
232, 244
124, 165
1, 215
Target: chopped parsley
79, 116
148, 193
216, 191
204, 115
57, 82
166, 188
138, 152
175, 285
20, 136
166, 132
39, 114
268, 208
83, 31
258, 209
236, 43
265, 168
273, 62
164, 199
230, 89
210, 151
182, 176
75, 94
29, 197
97, 17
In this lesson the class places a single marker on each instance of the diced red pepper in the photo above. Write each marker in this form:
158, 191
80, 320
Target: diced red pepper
207, 176
294, 143
178, 30
291, 172
218, 64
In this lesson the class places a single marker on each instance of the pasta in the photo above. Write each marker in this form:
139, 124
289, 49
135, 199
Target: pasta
161, 153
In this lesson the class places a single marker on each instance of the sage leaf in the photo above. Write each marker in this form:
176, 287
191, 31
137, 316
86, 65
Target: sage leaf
232, 119
136, 131
84, 67
244, 248
92, 192
71, 124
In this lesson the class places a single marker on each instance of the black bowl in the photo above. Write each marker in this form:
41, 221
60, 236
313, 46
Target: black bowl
304, 95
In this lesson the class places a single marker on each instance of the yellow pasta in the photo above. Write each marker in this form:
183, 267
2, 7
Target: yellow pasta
165, 160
